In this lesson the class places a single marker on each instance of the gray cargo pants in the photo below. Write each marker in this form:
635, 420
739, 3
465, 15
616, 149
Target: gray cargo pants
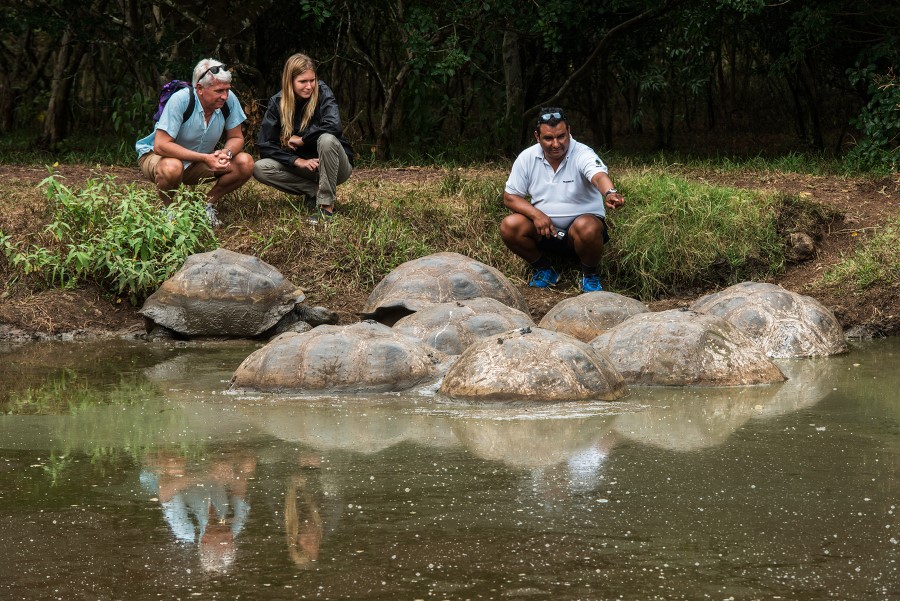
334, 168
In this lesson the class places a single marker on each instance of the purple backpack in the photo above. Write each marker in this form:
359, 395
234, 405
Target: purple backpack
170, 88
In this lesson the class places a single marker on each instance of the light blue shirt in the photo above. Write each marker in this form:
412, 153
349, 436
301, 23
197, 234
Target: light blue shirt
564, 194
194, 133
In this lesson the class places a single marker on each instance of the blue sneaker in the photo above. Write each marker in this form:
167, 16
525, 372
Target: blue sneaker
591, 283
544, 278
320, 216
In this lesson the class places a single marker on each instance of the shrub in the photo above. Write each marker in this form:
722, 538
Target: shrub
114, 235
879, 121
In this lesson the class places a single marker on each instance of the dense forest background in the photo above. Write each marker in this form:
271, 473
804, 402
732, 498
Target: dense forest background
468, 77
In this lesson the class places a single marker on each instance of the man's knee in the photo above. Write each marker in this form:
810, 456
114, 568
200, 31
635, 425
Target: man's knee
588, 227
515, 226
244, 165
169, 173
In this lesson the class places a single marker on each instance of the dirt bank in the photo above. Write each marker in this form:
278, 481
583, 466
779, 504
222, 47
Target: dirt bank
860, 207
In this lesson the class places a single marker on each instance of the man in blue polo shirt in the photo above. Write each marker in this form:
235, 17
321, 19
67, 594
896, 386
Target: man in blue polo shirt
183, 149
556, 191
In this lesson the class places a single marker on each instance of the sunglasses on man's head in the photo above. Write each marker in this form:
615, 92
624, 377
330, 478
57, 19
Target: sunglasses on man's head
547, 117
214, 70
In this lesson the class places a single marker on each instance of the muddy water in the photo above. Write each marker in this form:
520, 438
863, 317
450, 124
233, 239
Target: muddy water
128, 472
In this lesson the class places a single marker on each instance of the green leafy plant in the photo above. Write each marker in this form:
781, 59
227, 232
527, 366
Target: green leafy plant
114, 235
879, 121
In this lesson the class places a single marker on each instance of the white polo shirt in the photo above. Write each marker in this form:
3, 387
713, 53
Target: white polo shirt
562, 195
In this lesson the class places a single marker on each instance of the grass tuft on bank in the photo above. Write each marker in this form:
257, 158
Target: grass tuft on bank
675, 236
875, 261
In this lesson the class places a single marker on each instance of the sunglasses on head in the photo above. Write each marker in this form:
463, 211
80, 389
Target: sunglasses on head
547, 117
214, 70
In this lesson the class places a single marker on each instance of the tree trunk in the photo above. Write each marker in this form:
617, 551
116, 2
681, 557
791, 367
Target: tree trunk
392, 98
383, 141
515, 90
606, 121
6, 100
56, 119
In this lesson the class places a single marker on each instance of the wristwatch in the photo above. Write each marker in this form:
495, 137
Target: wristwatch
610, 191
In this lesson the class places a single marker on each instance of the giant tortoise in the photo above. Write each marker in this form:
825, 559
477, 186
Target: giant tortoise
222, 293
533, 364
437, 278
681, 347
586, 316
452, 327
784, 323
361, 357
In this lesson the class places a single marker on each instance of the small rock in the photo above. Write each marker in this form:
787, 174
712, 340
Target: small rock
801, 247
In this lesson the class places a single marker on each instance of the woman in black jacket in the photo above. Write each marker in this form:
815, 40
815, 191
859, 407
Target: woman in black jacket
301, 140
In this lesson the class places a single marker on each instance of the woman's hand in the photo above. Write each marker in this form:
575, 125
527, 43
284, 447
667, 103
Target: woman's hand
311, 164
295, 142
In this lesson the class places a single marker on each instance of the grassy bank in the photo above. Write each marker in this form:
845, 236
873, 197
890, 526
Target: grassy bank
673, 236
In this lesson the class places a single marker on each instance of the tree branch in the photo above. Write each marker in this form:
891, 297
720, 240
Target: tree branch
611, 35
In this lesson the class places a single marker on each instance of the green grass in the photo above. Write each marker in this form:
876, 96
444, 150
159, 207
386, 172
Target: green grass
379, 225
675, 235
20, 148
791, 162
876, 261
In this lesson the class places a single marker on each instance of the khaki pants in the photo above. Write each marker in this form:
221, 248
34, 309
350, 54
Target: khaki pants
334, 169
193, 174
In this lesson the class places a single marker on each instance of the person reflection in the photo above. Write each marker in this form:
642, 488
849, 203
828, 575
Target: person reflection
580, 472
204, 505
312, 509
302, 522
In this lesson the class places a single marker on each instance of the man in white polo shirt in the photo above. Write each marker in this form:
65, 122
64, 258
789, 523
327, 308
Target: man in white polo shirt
182, 147
556, 191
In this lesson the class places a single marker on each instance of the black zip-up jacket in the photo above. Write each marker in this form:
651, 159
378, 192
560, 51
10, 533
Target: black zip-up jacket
325, 120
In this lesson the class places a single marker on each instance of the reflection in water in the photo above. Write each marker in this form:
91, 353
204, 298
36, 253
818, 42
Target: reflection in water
560, 456
202, 505
789, 490
519, 441
809, 381
690, 419
368, 429
303, 521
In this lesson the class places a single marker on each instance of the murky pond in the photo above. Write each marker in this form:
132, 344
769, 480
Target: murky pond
127, 471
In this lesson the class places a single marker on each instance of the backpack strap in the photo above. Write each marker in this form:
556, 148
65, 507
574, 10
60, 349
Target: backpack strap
190, 107
226, 110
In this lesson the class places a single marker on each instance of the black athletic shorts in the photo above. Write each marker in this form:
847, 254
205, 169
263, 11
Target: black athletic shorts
556, 246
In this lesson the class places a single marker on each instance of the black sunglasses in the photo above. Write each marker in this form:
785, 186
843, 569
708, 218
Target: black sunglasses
547, 117
214, 70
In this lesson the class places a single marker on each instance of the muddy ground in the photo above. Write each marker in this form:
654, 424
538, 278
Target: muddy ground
860, 207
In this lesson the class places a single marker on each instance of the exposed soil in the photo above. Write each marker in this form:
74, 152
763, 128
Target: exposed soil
857, 208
